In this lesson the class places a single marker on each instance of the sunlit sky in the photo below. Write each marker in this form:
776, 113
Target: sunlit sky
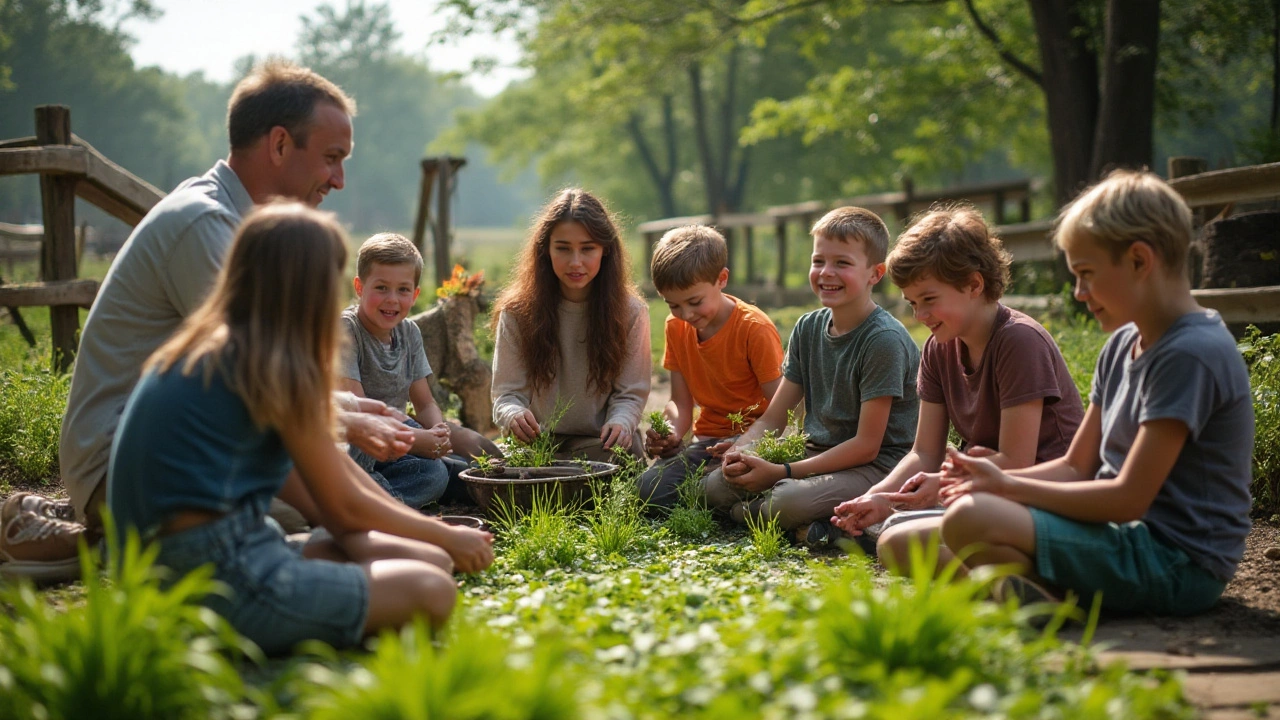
210, 36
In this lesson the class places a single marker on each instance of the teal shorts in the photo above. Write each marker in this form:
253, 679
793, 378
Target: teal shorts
1135, 572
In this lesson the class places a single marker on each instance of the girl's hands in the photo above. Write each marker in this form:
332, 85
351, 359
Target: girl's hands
919, 492
853, 516
615, 434
965, 474
471, 549
524, 426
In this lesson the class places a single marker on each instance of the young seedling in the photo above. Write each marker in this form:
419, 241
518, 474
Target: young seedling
658, 422
541, 451
740, 420
690, 519
486, 464
767, 539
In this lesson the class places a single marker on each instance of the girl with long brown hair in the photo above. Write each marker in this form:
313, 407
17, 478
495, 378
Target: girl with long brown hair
572, 334
235, 409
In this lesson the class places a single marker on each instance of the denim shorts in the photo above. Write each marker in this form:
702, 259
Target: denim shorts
276, 597
1135, 571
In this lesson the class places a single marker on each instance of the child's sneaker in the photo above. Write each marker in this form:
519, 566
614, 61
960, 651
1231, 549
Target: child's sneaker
817, 535
41, 548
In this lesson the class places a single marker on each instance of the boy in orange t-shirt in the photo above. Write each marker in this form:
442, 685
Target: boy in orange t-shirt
725, 356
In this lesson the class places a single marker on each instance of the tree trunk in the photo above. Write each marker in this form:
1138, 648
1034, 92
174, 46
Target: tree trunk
1070, 71
702, 137
663, 180
1125, 116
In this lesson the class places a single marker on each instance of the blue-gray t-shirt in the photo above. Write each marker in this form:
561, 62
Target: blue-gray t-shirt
1193, 374
385, 372
185, 445
838, 373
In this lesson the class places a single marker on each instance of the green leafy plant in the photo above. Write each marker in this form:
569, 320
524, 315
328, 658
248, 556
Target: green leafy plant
658, 422
546, 536
690, 518
541, 451
767, 538
616, 521
486, 464
784, 447
474, 675
1262, 356
131, 649
741, 420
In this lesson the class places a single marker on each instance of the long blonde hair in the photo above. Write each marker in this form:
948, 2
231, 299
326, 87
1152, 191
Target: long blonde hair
270, 325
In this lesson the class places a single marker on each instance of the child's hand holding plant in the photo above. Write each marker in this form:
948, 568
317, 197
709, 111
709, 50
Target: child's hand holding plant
660, 441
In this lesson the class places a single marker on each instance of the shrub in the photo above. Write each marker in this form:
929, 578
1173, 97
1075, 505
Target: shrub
132, 649
32, 402
475, 675
1262, 356
1080, 342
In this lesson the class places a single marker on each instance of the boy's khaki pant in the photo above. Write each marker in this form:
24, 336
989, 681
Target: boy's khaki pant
794, 501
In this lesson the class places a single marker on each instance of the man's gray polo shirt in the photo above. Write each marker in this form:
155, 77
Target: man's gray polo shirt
161, 274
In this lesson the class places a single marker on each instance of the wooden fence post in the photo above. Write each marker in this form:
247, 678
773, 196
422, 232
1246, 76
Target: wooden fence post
748, 238
423, 217
780, 232
58, 251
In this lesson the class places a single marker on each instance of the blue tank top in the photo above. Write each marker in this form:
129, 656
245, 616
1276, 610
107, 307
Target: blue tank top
183, 444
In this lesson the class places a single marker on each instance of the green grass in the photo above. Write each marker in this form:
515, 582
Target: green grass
1262, 355
33, 399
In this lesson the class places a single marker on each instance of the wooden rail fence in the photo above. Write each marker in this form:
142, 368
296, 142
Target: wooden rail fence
1026, 240
69, 168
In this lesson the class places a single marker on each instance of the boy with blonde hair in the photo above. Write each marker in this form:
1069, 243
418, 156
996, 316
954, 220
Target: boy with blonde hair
1150, 505
386, 361
724, 355
992, 373
854, 366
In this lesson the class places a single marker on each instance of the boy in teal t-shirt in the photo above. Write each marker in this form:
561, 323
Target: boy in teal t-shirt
854, 365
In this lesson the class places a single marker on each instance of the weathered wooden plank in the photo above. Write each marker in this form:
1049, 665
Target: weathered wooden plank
1027, 241
1242, 305
56, 160
117, 191
54, 293
665, 224
21, 232
1219, 187
22, 142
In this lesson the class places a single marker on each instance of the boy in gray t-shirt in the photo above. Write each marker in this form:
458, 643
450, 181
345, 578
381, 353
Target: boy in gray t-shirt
1150, 505
386, 361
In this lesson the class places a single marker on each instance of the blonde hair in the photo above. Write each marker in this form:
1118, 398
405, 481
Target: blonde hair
951, 244
279, 93
388, 249
847, 224
686, 256
270, 325
1130, 206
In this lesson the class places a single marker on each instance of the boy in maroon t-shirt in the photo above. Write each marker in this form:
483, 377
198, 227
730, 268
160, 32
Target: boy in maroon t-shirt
992, 373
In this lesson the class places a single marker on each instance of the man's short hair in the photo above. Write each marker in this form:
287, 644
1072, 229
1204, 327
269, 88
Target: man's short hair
1129, 206
688, 255
951, 244
847, 224
277, 92
388, 249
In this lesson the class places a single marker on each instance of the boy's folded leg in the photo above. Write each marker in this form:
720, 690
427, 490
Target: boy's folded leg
719, 494
1134, 570
660, 484
798, 501
414, 481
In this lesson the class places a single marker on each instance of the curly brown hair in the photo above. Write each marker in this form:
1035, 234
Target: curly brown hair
533, 294
951, 244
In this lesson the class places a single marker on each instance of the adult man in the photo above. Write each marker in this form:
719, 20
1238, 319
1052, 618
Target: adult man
290, 131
